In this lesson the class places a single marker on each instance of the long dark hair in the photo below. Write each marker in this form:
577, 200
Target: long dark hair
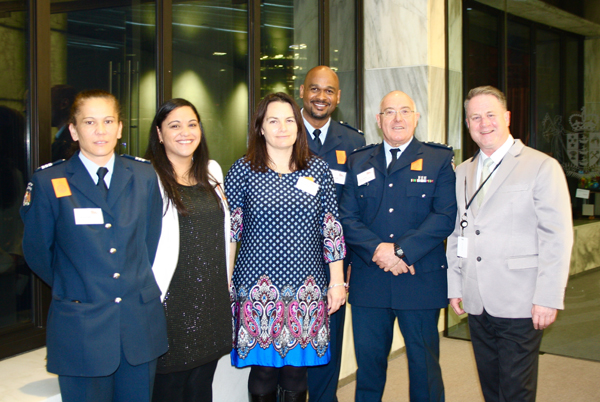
157, 155
257, 154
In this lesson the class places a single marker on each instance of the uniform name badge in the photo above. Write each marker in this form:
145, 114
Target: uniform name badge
307, 185
88, 216
339, 177
462, 246
365, 176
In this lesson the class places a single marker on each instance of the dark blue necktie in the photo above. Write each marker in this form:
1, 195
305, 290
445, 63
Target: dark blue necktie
317, 140
101, 183
394, 152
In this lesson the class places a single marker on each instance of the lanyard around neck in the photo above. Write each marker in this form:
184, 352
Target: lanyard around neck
468, 204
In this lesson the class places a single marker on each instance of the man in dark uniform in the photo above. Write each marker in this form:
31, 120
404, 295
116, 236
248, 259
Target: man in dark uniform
333, 142
92, 226
397, 208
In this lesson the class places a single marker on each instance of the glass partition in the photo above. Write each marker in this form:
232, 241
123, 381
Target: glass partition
210, 69
289, 32
15, 277
109, 48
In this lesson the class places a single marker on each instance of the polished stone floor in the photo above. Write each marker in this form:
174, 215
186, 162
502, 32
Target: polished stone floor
576, 332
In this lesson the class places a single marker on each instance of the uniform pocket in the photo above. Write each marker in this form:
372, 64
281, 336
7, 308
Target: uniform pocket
529, 261
149, 293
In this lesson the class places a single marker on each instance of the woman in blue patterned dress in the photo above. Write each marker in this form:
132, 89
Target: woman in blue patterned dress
284, 213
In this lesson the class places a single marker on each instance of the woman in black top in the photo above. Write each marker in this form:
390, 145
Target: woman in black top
194, 279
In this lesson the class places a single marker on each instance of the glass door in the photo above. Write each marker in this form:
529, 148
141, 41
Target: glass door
96, 45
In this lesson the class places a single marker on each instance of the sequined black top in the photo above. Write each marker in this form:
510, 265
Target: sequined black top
197, 303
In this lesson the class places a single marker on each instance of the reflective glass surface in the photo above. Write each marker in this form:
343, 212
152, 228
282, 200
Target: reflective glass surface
15, 276
104, 48
210, 69
288, 44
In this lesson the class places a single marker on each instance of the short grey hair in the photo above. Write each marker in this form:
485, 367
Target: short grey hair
486, 90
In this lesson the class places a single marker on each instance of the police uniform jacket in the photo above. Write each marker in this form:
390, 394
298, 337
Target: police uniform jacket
413, 206
340, 142
104, 296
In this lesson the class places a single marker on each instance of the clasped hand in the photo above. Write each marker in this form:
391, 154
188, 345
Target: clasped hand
387, 260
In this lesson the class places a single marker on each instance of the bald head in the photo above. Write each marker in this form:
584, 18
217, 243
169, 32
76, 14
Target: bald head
320, 94
397, 118
397, 95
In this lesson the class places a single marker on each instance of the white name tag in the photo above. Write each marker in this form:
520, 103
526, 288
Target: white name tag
307, 185
339, 177
365, 176
88, 216
462, 247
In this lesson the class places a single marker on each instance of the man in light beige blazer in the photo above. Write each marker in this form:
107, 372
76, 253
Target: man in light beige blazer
510, 251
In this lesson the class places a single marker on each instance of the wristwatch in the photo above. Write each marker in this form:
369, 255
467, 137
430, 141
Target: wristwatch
398, 251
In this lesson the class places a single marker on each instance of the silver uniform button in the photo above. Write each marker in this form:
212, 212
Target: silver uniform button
392, 236
423, 196
108, 226
391, 184
112, 250
116, 275
391, 210
118, 300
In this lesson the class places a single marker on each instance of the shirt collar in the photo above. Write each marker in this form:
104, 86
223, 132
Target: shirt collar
402, 148
499, 154
310, 128
92, 168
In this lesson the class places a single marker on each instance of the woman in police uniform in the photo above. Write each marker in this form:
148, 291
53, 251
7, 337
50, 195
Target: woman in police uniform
92, 226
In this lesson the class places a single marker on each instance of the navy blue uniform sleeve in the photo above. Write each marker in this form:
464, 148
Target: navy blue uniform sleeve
439, 224
38, 236
359, 237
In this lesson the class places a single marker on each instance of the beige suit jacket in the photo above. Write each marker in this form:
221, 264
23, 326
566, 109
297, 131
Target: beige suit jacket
519, 239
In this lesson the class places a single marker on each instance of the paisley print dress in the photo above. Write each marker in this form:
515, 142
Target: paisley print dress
289, 231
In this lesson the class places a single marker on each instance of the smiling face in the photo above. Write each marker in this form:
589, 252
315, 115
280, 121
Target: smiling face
97, 128
488, 122
180, 133
320, 94
397, 129
279, 127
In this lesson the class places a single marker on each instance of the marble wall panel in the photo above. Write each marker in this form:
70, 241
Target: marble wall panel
437, 34
455, 35
379, 82
395, 33
455, 113
436, 117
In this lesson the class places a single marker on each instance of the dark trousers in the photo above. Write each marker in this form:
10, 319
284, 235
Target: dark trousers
194, 385
127, 384
506, 352
323, 380
373, 333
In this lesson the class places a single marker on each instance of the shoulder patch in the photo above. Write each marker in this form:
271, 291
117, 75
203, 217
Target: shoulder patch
135, 158
351, 128
27, 197
48, 165
438, 145
363, 148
